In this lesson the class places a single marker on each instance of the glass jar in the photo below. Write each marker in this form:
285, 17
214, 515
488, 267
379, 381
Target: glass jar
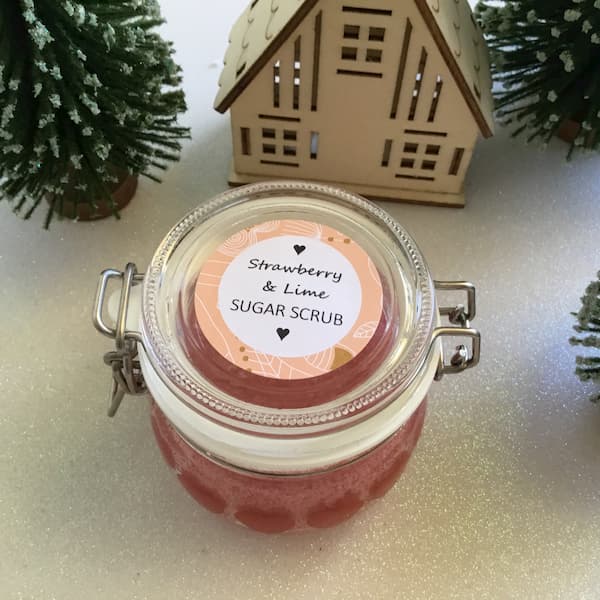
287, 334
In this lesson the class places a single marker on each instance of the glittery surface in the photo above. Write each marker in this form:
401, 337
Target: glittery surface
501, 499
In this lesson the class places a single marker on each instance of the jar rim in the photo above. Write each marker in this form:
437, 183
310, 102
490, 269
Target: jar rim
344, 411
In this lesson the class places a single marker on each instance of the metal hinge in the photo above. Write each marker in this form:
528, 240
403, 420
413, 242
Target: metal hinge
127, 375
461, 317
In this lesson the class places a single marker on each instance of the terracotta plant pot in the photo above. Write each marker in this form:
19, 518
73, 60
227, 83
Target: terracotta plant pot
122, 193
570, 128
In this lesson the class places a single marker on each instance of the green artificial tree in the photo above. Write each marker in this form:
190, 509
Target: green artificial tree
88, 89
588, 323
546, 55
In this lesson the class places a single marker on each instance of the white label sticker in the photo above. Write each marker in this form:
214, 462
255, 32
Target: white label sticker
290, 296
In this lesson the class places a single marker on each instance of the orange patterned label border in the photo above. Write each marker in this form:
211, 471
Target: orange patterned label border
272, 294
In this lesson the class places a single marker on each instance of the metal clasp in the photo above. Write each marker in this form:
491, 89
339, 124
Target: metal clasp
127, 375
461, 317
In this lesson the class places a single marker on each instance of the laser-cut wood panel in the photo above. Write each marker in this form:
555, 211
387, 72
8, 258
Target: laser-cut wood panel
363, 94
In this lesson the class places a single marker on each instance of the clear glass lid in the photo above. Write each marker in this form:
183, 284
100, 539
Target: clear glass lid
288, 308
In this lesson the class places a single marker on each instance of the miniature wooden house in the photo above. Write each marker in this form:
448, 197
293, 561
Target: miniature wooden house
385, 97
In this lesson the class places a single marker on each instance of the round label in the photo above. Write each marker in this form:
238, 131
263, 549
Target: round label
289, 299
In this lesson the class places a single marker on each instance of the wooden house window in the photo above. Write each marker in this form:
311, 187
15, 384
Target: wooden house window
418, 84
314, 145
297, 67
439, 84
376, 34
281, 79
278, 146
276, 84
401, 69
456, 161
351, 32
318, 29
245, 131
417, 161
366, 50
387, 152
374, 55
349, 53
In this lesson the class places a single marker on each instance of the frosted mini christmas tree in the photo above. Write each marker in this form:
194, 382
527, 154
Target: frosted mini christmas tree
588, 367
87, 89
546, 55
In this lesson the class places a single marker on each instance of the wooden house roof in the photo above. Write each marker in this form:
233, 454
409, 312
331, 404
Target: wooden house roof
266, 24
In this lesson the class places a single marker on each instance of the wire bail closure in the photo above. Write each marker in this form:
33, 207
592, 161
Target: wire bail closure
461, 317
127, 377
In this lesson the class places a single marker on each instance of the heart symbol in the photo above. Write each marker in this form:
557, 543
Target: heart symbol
299, 249
282, 333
